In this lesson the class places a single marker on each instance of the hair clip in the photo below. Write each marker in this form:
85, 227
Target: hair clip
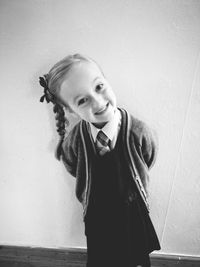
47, 95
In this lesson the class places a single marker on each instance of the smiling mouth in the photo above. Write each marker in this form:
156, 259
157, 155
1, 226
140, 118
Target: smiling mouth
100, 112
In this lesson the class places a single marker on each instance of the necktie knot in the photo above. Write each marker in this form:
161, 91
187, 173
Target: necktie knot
102, 143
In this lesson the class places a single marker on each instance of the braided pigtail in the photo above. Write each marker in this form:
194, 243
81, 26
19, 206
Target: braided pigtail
61, 124
58, 109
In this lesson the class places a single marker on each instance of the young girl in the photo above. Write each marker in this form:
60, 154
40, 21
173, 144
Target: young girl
110, 153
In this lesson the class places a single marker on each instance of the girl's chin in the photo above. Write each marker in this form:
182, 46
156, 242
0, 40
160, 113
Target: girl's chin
105, 118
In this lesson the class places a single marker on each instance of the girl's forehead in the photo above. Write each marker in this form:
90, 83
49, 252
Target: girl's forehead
83, 71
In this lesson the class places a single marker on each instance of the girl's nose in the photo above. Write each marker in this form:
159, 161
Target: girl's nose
98, 102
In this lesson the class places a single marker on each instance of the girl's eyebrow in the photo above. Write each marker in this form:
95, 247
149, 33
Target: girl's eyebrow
96, 79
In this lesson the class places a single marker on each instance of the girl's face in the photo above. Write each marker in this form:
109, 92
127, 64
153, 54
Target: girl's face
88, 94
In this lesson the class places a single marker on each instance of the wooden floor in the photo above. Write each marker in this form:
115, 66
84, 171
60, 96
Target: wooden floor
12, 256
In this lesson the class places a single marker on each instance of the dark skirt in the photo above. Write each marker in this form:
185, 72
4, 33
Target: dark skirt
119, 240
118, 228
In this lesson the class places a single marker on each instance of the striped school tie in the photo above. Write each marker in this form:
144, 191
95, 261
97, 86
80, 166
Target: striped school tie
102, 143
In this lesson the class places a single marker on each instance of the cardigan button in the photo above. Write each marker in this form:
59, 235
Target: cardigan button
132, 197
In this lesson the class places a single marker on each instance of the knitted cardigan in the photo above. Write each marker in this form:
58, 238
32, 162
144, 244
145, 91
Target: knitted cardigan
140, 149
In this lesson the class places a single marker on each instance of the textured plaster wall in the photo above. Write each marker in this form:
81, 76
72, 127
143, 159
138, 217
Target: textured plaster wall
149, 51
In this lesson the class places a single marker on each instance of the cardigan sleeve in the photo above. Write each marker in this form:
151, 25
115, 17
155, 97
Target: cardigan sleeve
145, 140
149, 145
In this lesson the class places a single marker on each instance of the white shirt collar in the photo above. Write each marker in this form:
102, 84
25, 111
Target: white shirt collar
110, 129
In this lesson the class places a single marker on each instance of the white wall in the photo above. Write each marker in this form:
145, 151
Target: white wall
149, 51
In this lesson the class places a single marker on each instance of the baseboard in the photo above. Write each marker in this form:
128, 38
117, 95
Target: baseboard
14, 256
169, 260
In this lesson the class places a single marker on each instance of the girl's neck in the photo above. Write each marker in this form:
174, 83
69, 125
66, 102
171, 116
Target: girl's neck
99, 125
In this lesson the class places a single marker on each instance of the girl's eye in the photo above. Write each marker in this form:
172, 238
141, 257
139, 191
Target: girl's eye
82, 101
99, 87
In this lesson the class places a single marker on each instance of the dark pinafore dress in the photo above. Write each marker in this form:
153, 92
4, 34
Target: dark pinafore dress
118, 228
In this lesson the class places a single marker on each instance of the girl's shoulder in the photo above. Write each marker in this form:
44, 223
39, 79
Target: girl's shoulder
139, 129
134, 125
